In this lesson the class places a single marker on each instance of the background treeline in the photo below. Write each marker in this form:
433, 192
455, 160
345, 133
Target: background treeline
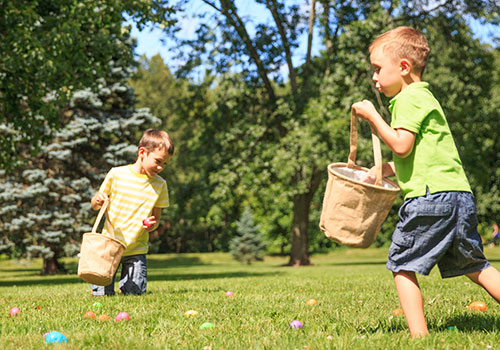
252, 145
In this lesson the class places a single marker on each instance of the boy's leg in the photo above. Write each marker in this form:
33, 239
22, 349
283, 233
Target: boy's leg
134, 274
411, 301
489, 279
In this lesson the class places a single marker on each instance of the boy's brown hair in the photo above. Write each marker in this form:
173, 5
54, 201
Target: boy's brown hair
404, 42
153, 139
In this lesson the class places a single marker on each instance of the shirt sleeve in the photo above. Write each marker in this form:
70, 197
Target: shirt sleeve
409, 113
107, 183
163, 200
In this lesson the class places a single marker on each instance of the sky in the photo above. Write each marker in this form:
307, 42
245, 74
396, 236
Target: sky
149, 39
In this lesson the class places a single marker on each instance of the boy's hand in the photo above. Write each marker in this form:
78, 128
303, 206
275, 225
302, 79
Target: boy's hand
149, 223
98, 200
370, 177
365, 110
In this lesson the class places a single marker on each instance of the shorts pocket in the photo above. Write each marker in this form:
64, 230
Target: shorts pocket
403, 239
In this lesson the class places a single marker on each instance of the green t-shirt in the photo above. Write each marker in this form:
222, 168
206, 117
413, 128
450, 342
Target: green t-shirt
434, 161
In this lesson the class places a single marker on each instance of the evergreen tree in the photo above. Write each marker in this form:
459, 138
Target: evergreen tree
248, 245
46, 204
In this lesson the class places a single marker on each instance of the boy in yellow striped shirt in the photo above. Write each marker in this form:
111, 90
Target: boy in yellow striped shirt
136, 195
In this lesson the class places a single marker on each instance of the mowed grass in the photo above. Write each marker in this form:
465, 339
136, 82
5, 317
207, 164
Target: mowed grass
355, 295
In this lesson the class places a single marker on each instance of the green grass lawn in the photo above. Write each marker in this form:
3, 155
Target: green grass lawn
355, 295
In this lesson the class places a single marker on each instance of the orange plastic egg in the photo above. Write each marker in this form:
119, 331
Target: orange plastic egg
477, 305
103, 318
311, 302
398, 312
89, 314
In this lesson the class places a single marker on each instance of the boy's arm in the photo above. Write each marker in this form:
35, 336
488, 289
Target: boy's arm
400, 141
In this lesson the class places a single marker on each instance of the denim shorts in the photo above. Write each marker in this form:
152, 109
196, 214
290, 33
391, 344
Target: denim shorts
438, 228
133, 278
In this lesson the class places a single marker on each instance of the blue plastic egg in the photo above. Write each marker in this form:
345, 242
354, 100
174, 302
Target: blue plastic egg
55, 337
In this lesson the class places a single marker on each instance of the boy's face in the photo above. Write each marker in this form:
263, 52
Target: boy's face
387, 73
153, 162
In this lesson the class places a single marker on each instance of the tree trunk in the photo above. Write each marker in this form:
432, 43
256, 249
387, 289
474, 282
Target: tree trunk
52, 266
299, 252
300, 242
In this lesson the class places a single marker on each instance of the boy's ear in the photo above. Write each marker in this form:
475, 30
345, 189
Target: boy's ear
405, 66
142, 151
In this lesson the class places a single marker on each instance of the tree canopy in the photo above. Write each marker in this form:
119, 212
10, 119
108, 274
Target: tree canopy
248, 136
274, 136
52, 48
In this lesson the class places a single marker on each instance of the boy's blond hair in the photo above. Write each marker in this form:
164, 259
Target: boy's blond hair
153, 139
404, 42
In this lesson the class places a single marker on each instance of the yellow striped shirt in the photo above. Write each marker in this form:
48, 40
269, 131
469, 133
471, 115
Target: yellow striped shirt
132, 197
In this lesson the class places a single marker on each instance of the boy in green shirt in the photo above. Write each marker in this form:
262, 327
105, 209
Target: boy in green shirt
438, 223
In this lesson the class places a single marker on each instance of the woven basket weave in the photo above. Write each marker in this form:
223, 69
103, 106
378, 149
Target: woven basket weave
100, 255
352, 209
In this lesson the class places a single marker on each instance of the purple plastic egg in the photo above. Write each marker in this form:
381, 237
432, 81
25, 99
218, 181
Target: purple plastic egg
295, 324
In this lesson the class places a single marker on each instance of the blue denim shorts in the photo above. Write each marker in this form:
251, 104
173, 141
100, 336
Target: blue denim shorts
438, 228
133, 278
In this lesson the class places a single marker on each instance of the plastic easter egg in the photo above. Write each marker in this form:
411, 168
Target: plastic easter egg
97, 306
103, 317
89, 314
122, 316
478, 306
295, 324
55, 337
311, 302
14, 311
191, 313
147, 222
207, 325
229, 294
398, 312
452, 329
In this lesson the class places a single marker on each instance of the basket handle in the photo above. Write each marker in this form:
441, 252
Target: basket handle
99, 216
377, 154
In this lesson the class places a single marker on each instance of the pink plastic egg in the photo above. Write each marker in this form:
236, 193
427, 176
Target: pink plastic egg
122, 316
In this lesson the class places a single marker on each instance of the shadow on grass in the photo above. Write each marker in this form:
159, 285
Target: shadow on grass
472, 322
152, 276
357, 263
179, 261
467, 322
21, 270
203, 276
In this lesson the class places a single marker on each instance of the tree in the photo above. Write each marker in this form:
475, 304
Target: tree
52, 48
277, 136
47, 201
248, 245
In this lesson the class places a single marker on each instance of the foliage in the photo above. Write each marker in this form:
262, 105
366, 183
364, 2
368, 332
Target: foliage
355, 295
47, 202
248, 245
52, 48
272, 137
